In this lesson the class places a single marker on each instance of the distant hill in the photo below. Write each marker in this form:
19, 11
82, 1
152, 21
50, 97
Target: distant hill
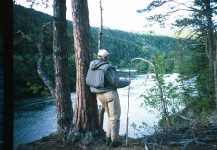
122, 45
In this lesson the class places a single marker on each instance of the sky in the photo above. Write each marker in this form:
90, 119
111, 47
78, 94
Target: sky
117, 14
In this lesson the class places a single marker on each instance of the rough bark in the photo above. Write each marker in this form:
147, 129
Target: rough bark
60, 56
86, 111
215, 73
211, 47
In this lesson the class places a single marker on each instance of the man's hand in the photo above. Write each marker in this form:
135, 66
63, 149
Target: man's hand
129, 80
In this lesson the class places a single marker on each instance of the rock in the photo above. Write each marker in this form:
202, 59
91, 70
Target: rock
213, 118
87, 139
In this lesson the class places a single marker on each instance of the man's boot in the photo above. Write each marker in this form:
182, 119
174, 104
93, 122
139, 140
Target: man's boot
108, 141
116, 144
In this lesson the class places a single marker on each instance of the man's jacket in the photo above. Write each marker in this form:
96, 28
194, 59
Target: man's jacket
111, 80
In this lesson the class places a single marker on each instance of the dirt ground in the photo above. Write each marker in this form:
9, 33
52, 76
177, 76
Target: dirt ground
186, 137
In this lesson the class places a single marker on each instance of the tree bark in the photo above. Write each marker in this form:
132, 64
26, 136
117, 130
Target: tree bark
215, 73
86, 111
60, 56
100, 28
211, 48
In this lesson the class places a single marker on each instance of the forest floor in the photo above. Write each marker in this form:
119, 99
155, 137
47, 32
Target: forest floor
188, 137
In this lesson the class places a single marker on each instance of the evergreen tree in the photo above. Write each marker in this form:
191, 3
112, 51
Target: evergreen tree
200, 20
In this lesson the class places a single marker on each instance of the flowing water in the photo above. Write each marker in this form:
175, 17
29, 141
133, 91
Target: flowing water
35, 118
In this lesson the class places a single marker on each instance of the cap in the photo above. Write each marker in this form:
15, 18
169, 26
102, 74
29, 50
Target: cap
103, 53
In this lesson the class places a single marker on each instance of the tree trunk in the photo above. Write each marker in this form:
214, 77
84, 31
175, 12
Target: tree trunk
100, 28
163, 103
86, 111
42, 72
215, 73
211, 48
62, 93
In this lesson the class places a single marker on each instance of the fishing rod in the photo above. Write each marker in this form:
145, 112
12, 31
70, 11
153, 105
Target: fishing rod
128, 109
129, 88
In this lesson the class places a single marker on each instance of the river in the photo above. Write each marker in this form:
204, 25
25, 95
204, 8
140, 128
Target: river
35, 118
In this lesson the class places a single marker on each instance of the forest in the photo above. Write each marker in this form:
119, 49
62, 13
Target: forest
193, 57
132, 46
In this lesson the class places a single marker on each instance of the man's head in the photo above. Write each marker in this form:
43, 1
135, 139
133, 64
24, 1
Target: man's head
103, 54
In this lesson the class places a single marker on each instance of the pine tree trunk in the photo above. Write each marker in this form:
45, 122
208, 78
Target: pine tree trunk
215, 73
211, 48
86, 111
62, 93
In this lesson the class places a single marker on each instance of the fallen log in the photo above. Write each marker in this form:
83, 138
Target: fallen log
193, 121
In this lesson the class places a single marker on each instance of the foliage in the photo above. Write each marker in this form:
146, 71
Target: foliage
188, 61
26, 54
38, 88
140, 128
172, 95
122, 50
190, 58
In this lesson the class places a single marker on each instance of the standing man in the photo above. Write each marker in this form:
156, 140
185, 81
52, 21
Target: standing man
107, 94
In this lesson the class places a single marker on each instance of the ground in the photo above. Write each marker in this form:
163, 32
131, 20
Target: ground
189, 137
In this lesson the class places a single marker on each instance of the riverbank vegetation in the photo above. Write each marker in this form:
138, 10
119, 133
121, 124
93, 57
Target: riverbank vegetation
193, 58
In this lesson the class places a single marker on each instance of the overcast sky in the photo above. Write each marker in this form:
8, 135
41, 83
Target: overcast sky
117, 14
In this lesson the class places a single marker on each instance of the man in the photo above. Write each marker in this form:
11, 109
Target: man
108, 96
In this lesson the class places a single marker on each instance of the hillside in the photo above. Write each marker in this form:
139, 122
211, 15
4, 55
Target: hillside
123, 46
115, 41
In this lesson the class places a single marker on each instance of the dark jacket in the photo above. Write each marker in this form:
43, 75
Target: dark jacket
112, 81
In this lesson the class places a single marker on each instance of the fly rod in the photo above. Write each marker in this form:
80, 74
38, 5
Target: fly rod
128, 110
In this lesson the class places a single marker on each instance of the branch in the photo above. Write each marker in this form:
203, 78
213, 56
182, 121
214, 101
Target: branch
41, 62
42, 59
193, 121
143, 60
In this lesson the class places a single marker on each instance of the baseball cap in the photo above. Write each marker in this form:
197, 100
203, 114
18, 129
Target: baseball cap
103, 53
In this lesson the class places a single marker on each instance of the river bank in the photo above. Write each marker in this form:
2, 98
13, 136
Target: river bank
35, 118
186, 136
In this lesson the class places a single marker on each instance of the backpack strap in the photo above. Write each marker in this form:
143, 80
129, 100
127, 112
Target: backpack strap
104, 66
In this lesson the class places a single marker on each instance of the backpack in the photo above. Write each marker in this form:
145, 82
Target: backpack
95, 78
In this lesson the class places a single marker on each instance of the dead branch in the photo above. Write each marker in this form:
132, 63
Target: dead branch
100, 28
192, 121
42, 59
